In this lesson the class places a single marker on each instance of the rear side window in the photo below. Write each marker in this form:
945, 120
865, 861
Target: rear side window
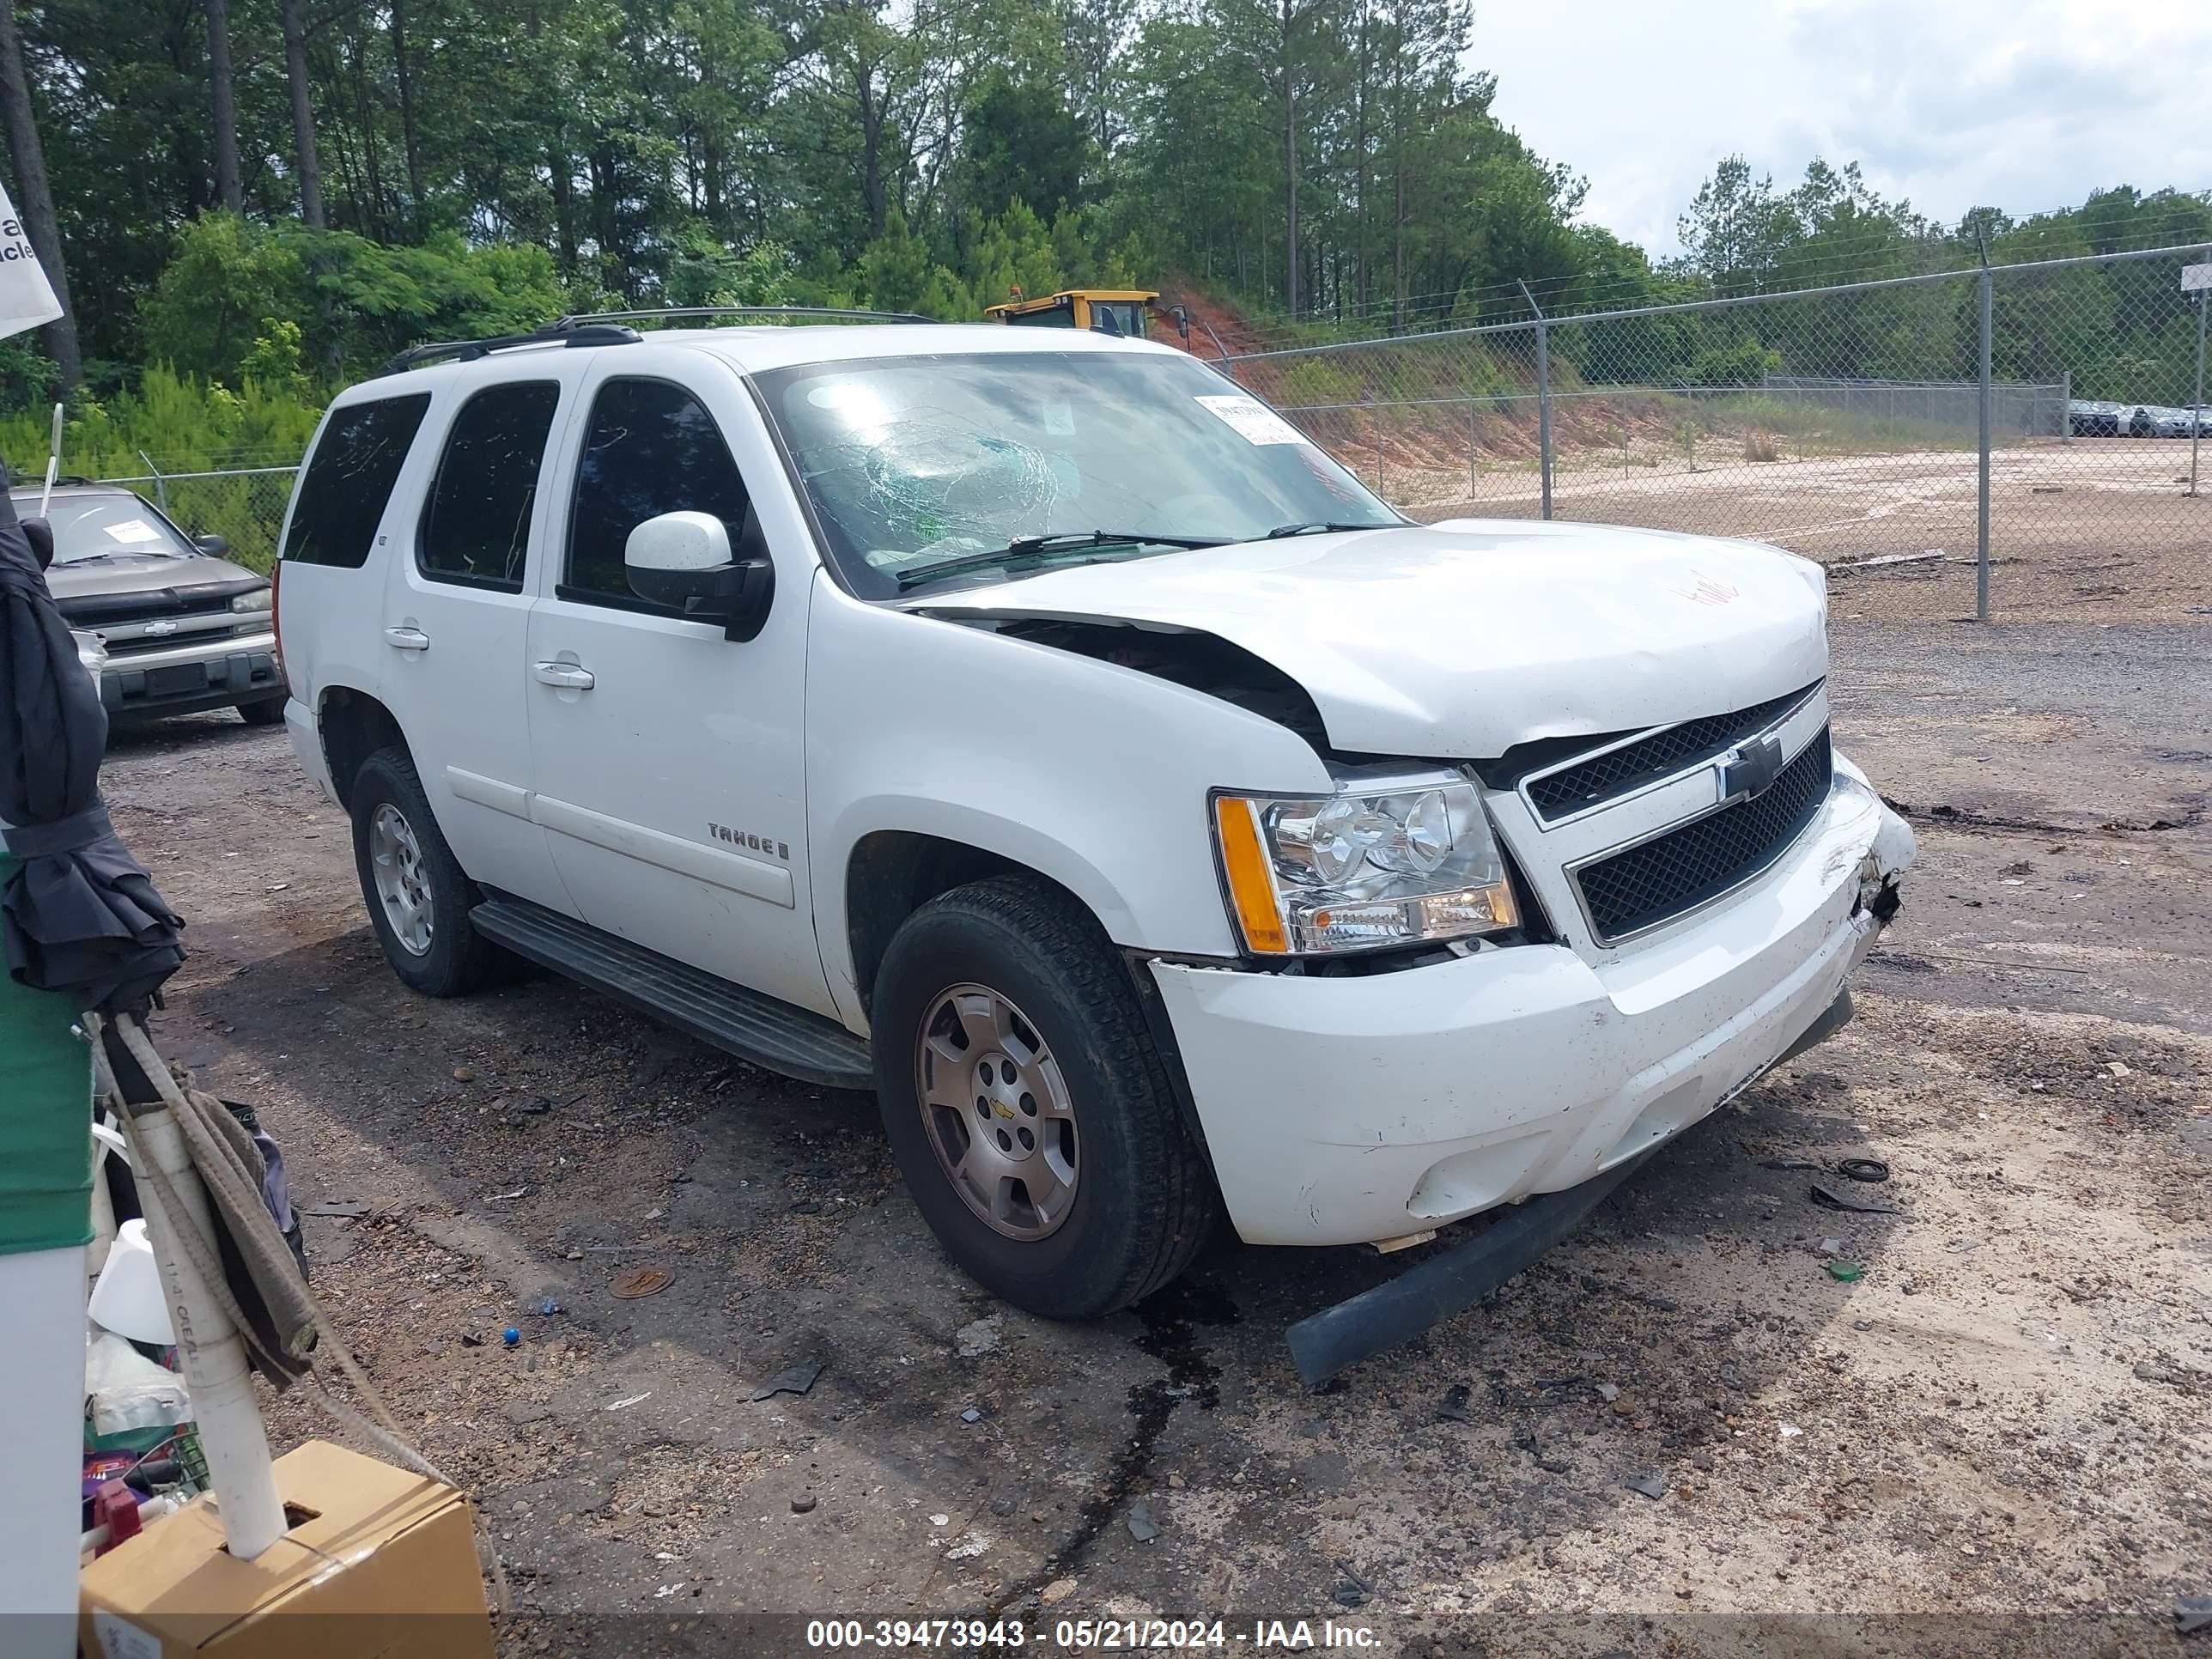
653, 448
349, 480
476, 525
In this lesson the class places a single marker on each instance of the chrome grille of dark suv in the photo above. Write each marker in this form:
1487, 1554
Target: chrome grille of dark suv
118, 617
1658, 879
1602, 777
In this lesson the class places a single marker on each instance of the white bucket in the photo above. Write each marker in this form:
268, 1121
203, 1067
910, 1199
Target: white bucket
129, 1299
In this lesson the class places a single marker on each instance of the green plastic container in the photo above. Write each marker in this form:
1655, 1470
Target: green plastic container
45, 1119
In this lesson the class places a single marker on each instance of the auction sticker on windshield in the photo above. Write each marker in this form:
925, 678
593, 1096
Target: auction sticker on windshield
132, 531
1254, 421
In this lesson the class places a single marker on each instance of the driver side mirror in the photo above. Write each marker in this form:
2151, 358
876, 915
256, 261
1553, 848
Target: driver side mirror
684, 561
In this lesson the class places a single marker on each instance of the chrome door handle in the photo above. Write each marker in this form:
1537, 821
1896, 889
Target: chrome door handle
407, 639
565, 675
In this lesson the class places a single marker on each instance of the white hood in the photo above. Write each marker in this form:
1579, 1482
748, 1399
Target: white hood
1465, 638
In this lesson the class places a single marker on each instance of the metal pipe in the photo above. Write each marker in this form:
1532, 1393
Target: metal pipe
2196, 405
1474, 445
1543, 399
209, 1347
160, 484
1982, 516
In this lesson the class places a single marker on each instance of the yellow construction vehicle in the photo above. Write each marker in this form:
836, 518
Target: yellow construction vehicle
1108, 310
1120, 311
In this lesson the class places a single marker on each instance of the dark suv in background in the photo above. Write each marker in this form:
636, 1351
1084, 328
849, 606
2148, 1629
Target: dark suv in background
180, 627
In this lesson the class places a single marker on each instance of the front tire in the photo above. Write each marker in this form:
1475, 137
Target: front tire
1026, 1106
264, 711
418, 898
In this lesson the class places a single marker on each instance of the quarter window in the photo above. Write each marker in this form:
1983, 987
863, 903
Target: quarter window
653, 448
476, 526
348, 479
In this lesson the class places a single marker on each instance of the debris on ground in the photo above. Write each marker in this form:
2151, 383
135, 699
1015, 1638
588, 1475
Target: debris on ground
796, 1380
510, 1336
1142, 1527
1453, 1406
979, 1337
1849, 1272
1863, 1168
1651, 1483
971, 1416
641, 1281
342, 1210
1057, 1592
1828, 1198
2192, 1613
1608, 1392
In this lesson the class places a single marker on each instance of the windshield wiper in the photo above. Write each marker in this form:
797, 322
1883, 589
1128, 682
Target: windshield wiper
1319, 526
1028, 550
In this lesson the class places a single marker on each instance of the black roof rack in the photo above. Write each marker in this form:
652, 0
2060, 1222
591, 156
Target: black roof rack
599, 328
849, 313
566, 332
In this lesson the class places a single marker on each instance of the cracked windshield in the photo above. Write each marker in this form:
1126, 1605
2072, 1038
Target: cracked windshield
999, 464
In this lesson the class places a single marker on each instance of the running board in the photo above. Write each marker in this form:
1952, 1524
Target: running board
756, 1028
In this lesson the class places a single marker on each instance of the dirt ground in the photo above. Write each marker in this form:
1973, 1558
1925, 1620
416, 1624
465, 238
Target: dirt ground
2099, 530
1995, 1440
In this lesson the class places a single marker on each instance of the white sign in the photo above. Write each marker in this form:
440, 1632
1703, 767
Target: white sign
1253, 420
2194, 277
27, 299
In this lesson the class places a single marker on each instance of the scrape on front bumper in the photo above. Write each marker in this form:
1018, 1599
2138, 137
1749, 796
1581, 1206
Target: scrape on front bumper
1342, 1110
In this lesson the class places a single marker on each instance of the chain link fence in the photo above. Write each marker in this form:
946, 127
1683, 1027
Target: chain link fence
243, 505
2047, 416
2044, 414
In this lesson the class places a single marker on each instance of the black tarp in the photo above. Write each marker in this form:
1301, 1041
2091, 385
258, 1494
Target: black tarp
81, 917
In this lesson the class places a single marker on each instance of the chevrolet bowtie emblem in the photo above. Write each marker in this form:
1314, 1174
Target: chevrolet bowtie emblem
1746, 769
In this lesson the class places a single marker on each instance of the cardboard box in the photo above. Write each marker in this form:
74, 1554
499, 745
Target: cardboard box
380, 1564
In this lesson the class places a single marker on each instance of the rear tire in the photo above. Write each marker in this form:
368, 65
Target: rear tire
267, 711
418, 899
1084, 1088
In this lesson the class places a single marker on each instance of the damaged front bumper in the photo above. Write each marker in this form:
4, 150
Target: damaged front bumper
1364, 1109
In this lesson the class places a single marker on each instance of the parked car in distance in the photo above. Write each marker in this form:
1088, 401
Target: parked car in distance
2088, 418
1035, 728
163, 620
2153, 421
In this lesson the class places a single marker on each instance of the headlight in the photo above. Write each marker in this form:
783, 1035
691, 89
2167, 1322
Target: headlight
258, 599
1374, 866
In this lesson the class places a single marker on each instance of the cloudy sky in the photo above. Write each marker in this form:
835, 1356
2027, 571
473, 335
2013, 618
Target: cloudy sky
2019, 104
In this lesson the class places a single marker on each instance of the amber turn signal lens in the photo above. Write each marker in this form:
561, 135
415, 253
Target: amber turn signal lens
1245, 863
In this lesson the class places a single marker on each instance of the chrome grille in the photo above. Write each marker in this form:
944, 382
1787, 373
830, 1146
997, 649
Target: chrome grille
1580, 785
1653, 881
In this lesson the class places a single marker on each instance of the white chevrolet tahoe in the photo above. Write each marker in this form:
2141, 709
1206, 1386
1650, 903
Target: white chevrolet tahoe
1035, 729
